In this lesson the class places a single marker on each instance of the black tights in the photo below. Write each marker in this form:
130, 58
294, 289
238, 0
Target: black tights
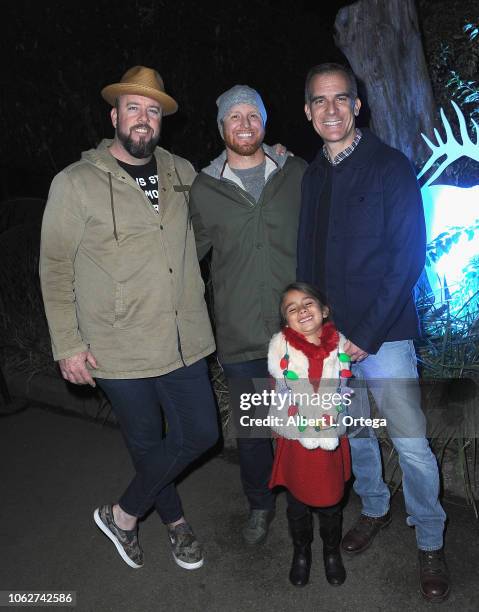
296, 508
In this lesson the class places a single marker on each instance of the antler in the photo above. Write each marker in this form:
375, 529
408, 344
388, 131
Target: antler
451, 148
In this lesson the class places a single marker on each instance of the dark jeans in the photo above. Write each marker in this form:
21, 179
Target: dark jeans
255, 454
181, 402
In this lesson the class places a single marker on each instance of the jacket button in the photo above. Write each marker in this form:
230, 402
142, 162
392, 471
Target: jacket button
171, 271
161, 227
259, 245
361, 199
163, 189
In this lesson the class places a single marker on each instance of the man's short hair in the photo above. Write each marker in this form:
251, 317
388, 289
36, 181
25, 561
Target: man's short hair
328, 68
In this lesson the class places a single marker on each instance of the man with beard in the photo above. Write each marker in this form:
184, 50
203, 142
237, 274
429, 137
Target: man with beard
125, 306
245, 207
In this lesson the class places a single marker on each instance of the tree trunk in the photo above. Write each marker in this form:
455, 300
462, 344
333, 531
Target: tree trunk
382, 43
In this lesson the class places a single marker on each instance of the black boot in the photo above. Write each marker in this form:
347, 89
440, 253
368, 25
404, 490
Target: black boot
330, 532
302, 533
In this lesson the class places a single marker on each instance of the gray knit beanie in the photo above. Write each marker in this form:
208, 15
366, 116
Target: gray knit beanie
239, 94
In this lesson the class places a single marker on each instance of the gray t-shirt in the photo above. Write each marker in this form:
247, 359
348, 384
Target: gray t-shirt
252, 179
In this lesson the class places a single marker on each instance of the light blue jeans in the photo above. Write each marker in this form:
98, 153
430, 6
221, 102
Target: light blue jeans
391, 376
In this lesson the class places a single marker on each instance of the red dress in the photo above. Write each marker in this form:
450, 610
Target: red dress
315, 477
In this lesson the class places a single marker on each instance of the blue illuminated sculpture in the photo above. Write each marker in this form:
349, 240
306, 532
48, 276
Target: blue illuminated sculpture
452, 220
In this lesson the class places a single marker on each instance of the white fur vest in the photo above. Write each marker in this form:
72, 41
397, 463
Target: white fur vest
299, 412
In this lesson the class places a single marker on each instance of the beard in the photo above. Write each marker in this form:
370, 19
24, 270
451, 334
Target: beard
141, 148
246, 149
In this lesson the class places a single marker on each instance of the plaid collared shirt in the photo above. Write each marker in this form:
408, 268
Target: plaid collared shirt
347, 151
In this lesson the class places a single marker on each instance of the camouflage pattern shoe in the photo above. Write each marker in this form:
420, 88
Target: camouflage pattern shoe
185, 547
126, 542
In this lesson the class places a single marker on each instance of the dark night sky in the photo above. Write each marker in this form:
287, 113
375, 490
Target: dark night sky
58, 56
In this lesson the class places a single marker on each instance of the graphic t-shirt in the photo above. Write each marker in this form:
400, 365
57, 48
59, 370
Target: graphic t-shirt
146, 177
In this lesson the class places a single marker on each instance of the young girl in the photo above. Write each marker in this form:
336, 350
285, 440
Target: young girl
311, 460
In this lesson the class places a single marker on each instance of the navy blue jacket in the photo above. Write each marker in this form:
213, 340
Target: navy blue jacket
376, 242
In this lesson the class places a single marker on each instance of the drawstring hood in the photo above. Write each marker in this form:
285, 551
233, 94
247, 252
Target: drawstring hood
135, 292
112, 208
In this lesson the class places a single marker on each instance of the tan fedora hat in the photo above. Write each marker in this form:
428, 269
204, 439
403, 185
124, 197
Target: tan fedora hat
143, 82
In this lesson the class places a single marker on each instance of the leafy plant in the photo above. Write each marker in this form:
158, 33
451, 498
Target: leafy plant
442, 244
466, 91
448, 360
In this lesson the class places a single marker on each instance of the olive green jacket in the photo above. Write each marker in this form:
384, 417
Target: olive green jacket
254, 250
118, 278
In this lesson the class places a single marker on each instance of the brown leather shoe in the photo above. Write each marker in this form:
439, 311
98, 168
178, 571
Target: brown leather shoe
433, 575
363, 533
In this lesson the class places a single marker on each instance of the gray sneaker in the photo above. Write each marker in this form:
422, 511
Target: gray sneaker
185, 547
126, 542
257, 525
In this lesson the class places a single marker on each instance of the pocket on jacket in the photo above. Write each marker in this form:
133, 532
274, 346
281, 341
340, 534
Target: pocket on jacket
364, 215
94, 296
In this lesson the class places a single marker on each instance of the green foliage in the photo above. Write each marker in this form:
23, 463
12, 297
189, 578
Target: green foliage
464, 90
442, 244
450, 51
472, 29
449, 349
466, 292
448, 355
448, 362
471, 271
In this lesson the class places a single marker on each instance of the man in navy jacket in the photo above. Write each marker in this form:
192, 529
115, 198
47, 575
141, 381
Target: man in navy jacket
362, 241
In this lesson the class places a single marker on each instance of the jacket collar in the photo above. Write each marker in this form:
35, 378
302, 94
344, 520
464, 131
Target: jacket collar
217, 166
360, 157
103, 159
227, 173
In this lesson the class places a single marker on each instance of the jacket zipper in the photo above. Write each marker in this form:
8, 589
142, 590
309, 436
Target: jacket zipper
241, 192
179, 342
188, 226
112, 205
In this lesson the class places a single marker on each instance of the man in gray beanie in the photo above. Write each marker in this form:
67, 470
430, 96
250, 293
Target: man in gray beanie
245, 207
239, 94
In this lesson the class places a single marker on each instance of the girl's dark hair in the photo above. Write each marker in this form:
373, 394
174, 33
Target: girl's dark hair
310, 290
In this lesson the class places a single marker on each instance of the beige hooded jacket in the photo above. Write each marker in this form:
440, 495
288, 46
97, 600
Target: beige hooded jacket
117, 277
